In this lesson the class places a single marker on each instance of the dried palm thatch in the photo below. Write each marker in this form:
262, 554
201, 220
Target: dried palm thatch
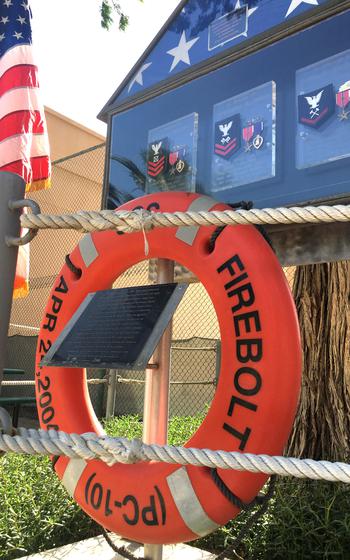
322, 426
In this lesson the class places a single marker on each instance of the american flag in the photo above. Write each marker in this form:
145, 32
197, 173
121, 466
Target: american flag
24, 146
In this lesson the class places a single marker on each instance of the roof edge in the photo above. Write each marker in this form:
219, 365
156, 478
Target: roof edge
74, 123
102, 115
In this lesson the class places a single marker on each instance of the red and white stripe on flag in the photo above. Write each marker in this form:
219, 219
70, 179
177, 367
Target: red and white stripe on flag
24, 146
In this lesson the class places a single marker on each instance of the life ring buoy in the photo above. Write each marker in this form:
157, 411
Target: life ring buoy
255, 401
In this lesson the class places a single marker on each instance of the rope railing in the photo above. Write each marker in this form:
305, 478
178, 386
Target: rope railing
120, 450
30, 382
129, 221
132, 381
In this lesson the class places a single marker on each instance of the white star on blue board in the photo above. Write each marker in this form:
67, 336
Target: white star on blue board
138, 78
296, 3
250, 12
181, 52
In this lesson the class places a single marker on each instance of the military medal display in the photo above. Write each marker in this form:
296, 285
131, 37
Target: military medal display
244, 138
253, 136
258, 140
248, 132
323, 101
177, 161
343, 101
172, 155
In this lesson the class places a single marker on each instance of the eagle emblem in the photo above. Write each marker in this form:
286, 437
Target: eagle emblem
157, 158
225, 128
227, 136
156, 148
314, 102
316, 107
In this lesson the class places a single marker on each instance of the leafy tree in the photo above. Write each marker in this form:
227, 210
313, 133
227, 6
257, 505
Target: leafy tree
108, 9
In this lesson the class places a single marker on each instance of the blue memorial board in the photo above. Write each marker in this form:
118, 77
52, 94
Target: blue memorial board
270, 123
206, 28
272, 127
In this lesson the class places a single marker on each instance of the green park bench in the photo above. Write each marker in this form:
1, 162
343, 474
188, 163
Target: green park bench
15, 402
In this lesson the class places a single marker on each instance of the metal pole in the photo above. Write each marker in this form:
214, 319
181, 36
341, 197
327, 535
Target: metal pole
111, 391
156, 403
12, 187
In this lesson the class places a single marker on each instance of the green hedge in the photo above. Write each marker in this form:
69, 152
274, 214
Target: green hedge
305, 519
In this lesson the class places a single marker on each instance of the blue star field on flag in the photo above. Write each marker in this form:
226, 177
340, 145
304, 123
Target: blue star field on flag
205, 29
15, 26
24, 146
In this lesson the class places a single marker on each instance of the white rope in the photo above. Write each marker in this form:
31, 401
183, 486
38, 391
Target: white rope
142, 220
18, 383
30, 382
120, 450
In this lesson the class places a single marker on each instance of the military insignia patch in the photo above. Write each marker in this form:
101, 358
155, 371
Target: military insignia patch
343, 100
157, 157
316, 107
228, 136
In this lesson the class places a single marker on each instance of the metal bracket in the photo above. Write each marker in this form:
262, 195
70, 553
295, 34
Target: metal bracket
5, 422
29, 236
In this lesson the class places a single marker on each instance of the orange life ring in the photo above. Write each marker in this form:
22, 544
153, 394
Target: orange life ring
255, 401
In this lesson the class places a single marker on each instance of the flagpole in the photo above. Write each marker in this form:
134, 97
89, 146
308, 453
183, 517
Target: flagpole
12, 187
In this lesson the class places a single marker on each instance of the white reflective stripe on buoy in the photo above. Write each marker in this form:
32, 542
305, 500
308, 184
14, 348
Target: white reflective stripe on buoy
72, 474
187, 503
201, 204
88, 250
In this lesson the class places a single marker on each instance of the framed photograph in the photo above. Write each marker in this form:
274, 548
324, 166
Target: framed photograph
244, 138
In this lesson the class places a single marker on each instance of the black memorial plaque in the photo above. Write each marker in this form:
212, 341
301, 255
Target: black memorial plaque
116, 328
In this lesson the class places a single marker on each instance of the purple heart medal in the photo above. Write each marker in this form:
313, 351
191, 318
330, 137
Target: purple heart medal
258, 140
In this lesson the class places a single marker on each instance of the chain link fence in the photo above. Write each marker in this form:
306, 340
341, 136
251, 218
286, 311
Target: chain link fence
195, 350
76, 184
195, 356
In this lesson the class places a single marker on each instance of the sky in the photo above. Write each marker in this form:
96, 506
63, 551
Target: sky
80, 64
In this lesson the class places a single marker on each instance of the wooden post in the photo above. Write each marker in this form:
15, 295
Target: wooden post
156, 403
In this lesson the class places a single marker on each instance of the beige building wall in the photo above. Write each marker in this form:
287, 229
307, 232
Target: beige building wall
67, 136
76, 184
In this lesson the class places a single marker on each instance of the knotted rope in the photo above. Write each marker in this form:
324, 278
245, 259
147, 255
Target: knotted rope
142, 220
120, 450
